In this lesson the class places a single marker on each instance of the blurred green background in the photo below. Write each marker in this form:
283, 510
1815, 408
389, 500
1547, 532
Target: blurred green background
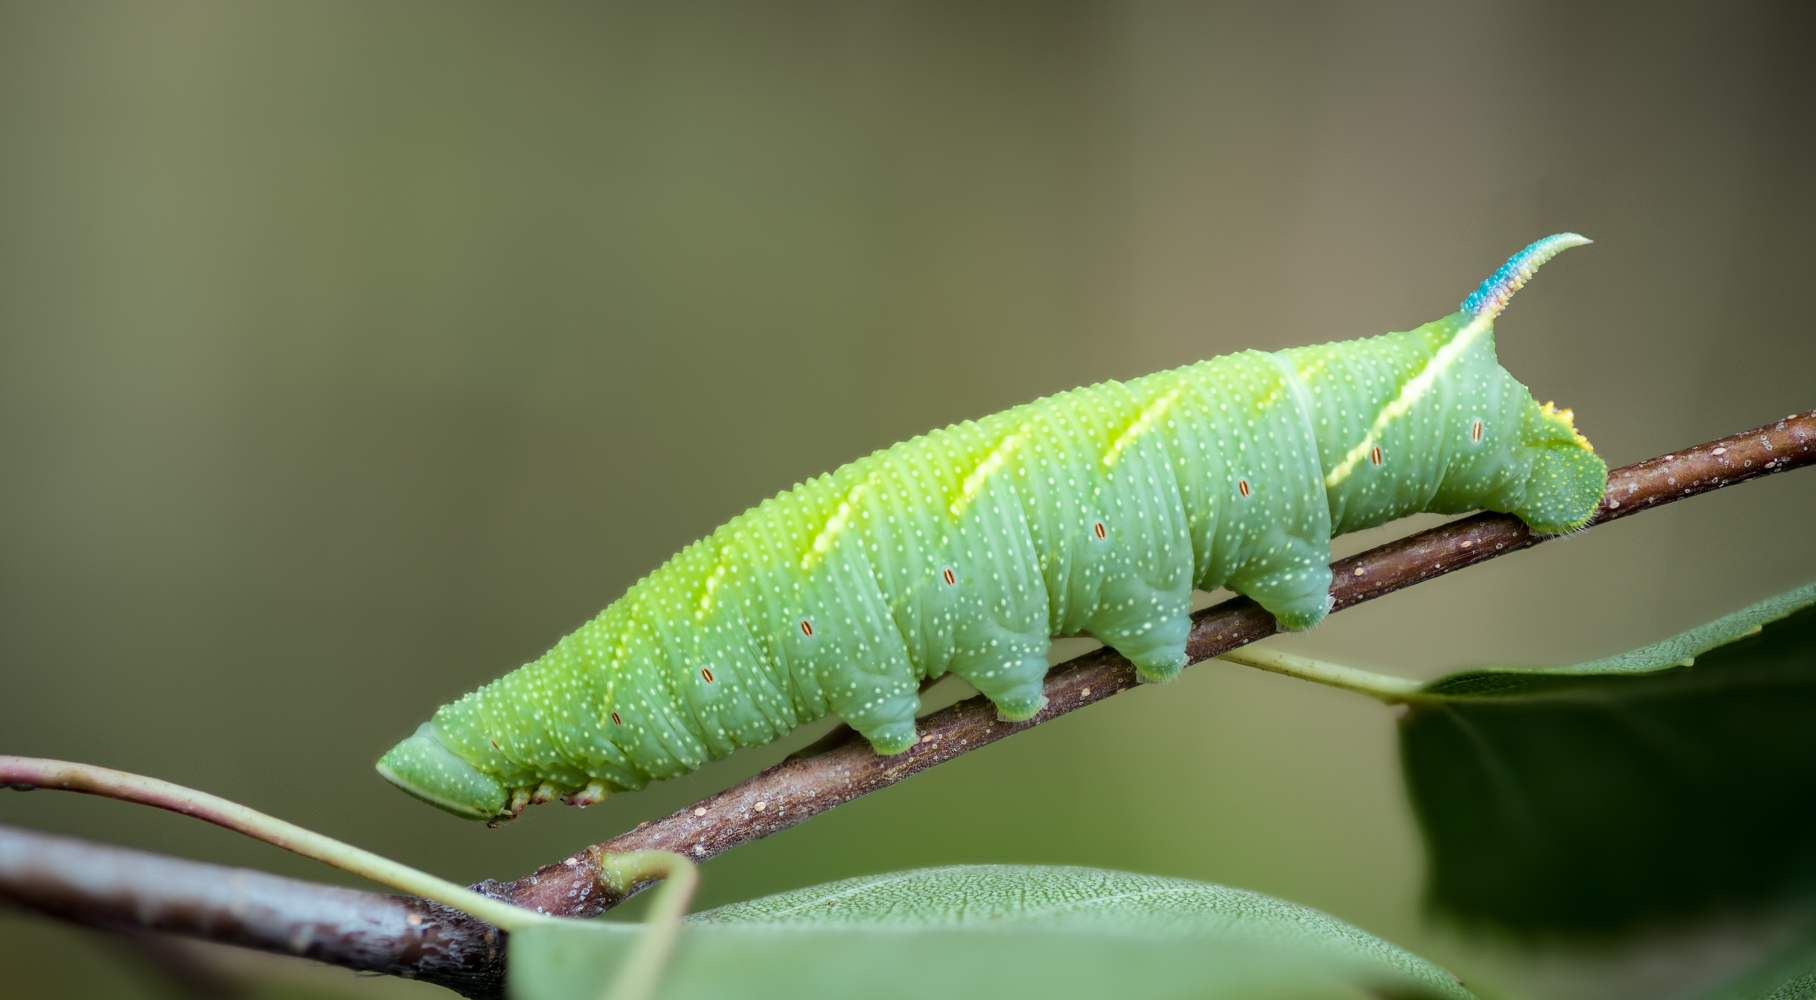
352, 353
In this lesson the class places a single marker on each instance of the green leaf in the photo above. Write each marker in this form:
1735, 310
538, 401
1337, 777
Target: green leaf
1661, 782
994, 931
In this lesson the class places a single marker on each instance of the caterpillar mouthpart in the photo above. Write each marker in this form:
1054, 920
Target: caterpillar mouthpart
425, 768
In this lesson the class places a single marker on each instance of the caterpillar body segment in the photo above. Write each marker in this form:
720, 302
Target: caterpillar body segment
1095, 511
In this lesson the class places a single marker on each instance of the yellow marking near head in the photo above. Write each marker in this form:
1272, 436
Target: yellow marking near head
1410, 394
822, 543
1139, 427
974, 483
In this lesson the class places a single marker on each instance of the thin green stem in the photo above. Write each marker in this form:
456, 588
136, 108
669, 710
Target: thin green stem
642, 970
36, 772
1383, 687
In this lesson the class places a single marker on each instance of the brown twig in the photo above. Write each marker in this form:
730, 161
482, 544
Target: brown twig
798, 789
37, 772
114, 888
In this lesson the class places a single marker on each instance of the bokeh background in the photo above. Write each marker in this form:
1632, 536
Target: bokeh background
352, 353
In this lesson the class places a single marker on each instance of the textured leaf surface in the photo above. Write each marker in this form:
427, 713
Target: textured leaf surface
1590, 797
996, 931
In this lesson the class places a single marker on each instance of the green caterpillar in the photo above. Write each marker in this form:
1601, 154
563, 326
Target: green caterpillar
1095, 511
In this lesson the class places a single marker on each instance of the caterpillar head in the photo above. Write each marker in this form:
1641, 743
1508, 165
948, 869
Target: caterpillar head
424, 766
1568, 477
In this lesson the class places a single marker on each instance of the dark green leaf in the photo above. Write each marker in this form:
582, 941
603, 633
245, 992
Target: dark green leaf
995, 931
1664, 781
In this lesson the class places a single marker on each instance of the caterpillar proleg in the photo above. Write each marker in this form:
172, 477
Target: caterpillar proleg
1095, 511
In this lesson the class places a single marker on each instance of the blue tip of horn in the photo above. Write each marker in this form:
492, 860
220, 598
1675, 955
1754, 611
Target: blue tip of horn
1492, 297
